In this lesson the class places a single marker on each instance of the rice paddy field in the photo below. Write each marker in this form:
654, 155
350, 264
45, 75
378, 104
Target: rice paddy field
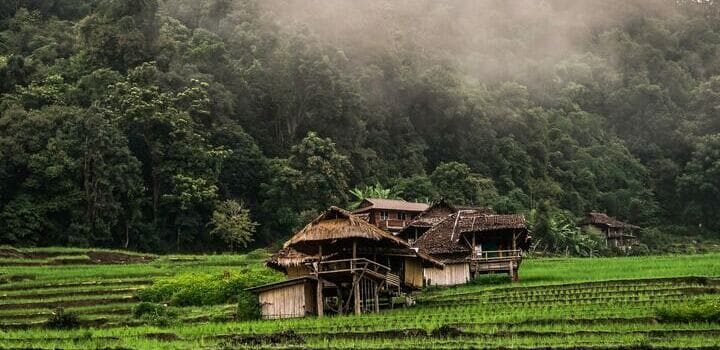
602, 303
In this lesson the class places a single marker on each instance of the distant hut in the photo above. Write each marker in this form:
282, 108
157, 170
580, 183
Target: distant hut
472, 242
349, 264
389, 214
616, 233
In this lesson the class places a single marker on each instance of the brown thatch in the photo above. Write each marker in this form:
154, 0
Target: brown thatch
338, 224
602, 219
444, 238
288, 257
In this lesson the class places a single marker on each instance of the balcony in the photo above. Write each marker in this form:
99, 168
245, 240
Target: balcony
344, 269
392, 224
495, 260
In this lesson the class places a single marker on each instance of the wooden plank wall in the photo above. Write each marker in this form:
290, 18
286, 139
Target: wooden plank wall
297, 271
452, 274
413, 273
284, 302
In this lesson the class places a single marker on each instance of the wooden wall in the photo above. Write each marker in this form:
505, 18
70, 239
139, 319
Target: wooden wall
413, 272
297, 271
452, 274
288, 301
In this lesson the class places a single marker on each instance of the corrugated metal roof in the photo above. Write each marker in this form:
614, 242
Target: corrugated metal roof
393, 204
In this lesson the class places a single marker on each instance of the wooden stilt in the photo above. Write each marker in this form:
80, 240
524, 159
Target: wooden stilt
377, 297
356, 282
319, 290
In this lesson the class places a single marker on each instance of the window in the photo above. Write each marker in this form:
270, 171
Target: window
384, 215
401, 216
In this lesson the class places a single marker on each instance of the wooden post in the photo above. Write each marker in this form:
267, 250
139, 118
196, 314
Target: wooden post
514, 241
319, 290
473, 246
513, 276
377, 297
356, 283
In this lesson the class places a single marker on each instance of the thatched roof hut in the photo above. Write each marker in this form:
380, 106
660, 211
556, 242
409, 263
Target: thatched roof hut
445, 237
337, 228
337, 224
602, 219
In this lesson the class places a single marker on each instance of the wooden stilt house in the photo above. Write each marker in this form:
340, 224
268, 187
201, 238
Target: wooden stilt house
616, 233
471, 242
350, 264
433, 215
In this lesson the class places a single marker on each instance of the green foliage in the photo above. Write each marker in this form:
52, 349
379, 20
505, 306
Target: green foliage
232, 223
695, 310
61, 319
417, 188
248, 306
557, 232
195, 289
372, 191
155, 314
124, 123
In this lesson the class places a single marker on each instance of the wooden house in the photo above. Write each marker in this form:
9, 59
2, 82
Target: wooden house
349, 263
471, 242
616, 233
432, 216
389, 214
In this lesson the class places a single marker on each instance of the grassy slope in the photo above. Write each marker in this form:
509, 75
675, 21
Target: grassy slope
559, 302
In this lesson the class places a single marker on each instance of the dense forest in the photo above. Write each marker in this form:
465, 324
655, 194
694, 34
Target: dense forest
189, 125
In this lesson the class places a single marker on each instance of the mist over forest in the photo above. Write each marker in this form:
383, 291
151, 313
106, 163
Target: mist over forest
166, 125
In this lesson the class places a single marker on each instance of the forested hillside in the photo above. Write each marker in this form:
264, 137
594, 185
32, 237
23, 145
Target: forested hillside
175, 125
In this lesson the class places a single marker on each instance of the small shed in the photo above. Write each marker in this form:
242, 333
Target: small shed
287, 299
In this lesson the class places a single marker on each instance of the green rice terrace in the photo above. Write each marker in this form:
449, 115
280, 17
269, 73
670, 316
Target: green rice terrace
133, 301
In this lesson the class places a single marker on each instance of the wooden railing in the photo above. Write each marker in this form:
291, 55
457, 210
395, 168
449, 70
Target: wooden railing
496, 255
352, 265
387, 224
392, 279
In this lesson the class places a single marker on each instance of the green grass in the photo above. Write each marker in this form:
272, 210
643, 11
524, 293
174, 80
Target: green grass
559, 303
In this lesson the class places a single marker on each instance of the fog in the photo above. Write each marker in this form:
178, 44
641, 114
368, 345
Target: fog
490, 40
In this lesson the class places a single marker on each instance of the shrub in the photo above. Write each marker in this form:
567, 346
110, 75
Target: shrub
698, 310
248, 306
61, 319
156, 314
197, 289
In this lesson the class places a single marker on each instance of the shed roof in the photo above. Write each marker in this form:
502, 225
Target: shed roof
390, 204
285, 283
602, 219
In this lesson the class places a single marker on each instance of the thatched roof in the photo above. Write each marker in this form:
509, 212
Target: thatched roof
288, 257
602, 219
338, 224
390, 204
445, 237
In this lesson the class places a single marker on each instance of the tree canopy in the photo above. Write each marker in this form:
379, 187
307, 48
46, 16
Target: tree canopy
143, 124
